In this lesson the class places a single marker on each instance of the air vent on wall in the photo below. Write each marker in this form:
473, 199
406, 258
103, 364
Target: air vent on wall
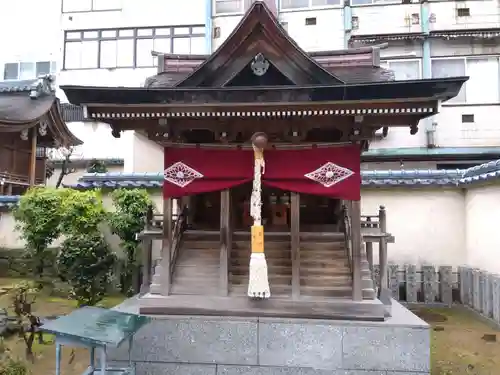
463, 12
467, 118
216, 32
310, 21
355, 22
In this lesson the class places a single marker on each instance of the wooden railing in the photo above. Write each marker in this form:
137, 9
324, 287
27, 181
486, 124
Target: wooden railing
18, 179
347, 233
178, 229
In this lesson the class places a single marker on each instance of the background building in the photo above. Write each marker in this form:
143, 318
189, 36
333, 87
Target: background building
109, 42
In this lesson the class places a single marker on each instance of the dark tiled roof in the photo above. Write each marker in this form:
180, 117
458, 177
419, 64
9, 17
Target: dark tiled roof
9, 201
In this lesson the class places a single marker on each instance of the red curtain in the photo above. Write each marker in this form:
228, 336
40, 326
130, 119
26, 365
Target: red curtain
333, 172
191, 171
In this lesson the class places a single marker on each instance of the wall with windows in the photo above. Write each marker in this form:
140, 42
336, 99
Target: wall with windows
454, 15
401, 18
316, 25
30, 40
104, 14
468, 120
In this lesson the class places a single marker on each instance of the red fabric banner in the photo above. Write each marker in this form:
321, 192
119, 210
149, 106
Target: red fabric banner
333, 172
191, 171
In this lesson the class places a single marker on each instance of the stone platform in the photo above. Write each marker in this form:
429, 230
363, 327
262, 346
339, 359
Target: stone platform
200, 345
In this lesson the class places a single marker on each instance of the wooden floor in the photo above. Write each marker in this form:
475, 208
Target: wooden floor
304, 308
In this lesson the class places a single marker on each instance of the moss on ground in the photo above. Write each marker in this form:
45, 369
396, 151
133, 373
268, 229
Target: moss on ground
458, 347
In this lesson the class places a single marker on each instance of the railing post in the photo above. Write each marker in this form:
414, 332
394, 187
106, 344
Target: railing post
166, 258
383, 249
357, 288
147, 249
225, 241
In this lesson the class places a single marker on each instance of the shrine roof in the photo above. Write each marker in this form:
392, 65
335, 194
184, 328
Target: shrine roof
424, 89
353, 65
377, 178
23, 104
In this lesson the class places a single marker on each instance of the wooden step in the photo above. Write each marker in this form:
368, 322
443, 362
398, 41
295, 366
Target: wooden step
326, 281
332, 291
276, 290
201, 244
273, 279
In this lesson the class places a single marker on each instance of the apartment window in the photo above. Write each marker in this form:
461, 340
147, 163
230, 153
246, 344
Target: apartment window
129, 48
403, 69
483, 72
28, 69
372, 2
231, 6
72, 6
299, 4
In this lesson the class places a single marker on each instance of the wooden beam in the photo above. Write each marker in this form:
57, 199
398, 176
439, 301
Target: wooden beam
320, 308
225, 242
295, 242
357, 291
166, 259
33, 156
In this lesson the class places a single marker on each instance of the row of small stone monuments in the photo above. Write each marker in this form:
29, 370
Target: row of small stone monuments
424, 284
480, 290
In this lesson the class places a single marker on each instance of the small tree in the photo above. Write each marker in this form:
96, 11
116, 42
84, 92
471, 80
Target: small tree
127, 221
64, 154
85, 260
38, 218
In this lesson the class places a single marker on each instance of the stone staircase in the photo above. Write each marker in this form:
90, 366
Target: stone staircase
196, 270
324, 266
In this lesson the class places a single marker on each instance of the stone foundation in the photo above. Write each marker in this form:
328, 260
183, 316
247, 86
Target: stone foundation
261, 346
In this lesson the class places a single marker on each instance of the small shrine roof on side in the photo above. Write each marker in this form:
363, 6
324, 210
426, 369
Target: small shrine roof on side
24, 104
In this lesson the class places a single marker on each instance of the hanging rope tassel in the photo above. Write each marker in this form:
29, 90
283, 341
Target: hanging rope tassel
258, 283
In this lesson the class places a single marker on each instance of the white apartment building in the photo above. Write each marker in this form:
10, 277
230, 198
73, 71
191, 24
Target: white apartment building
109, 43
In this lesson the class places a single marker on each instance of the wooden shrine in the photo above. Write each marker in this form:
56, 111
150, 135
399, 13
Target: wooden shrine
261, 117
30, 122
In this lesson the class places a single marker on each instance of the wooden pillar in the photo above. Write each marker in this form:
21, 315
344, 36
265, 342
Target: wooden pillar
383, 248
357, 290
225, 241
166, 252
295, 243
33, 156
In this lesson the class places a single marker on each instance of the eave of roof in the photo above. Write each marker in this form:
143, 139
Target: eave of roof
24, 104
432, 89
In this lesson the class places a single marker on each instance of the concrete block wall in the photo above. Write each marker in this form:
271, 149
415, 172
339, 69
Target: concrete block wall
262, 346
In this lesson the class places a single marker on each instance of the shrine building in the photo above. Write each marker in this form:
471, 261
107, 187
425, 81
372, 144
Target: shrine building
262, 145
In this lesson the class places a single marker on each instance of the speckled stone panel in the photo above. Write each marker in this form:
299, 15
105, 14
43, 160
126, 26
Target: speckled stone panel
300, 345
257, 370
194, 341
174, 369
386, 348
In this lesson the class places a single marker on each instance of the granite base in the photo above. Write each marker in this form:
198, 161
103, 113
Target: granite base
263, 346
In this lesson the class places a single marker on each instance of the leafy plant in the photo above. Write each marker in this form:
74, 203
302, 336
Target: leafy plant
11, 366
128, 219
38, 218
96, 166
85, 262
81, 211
